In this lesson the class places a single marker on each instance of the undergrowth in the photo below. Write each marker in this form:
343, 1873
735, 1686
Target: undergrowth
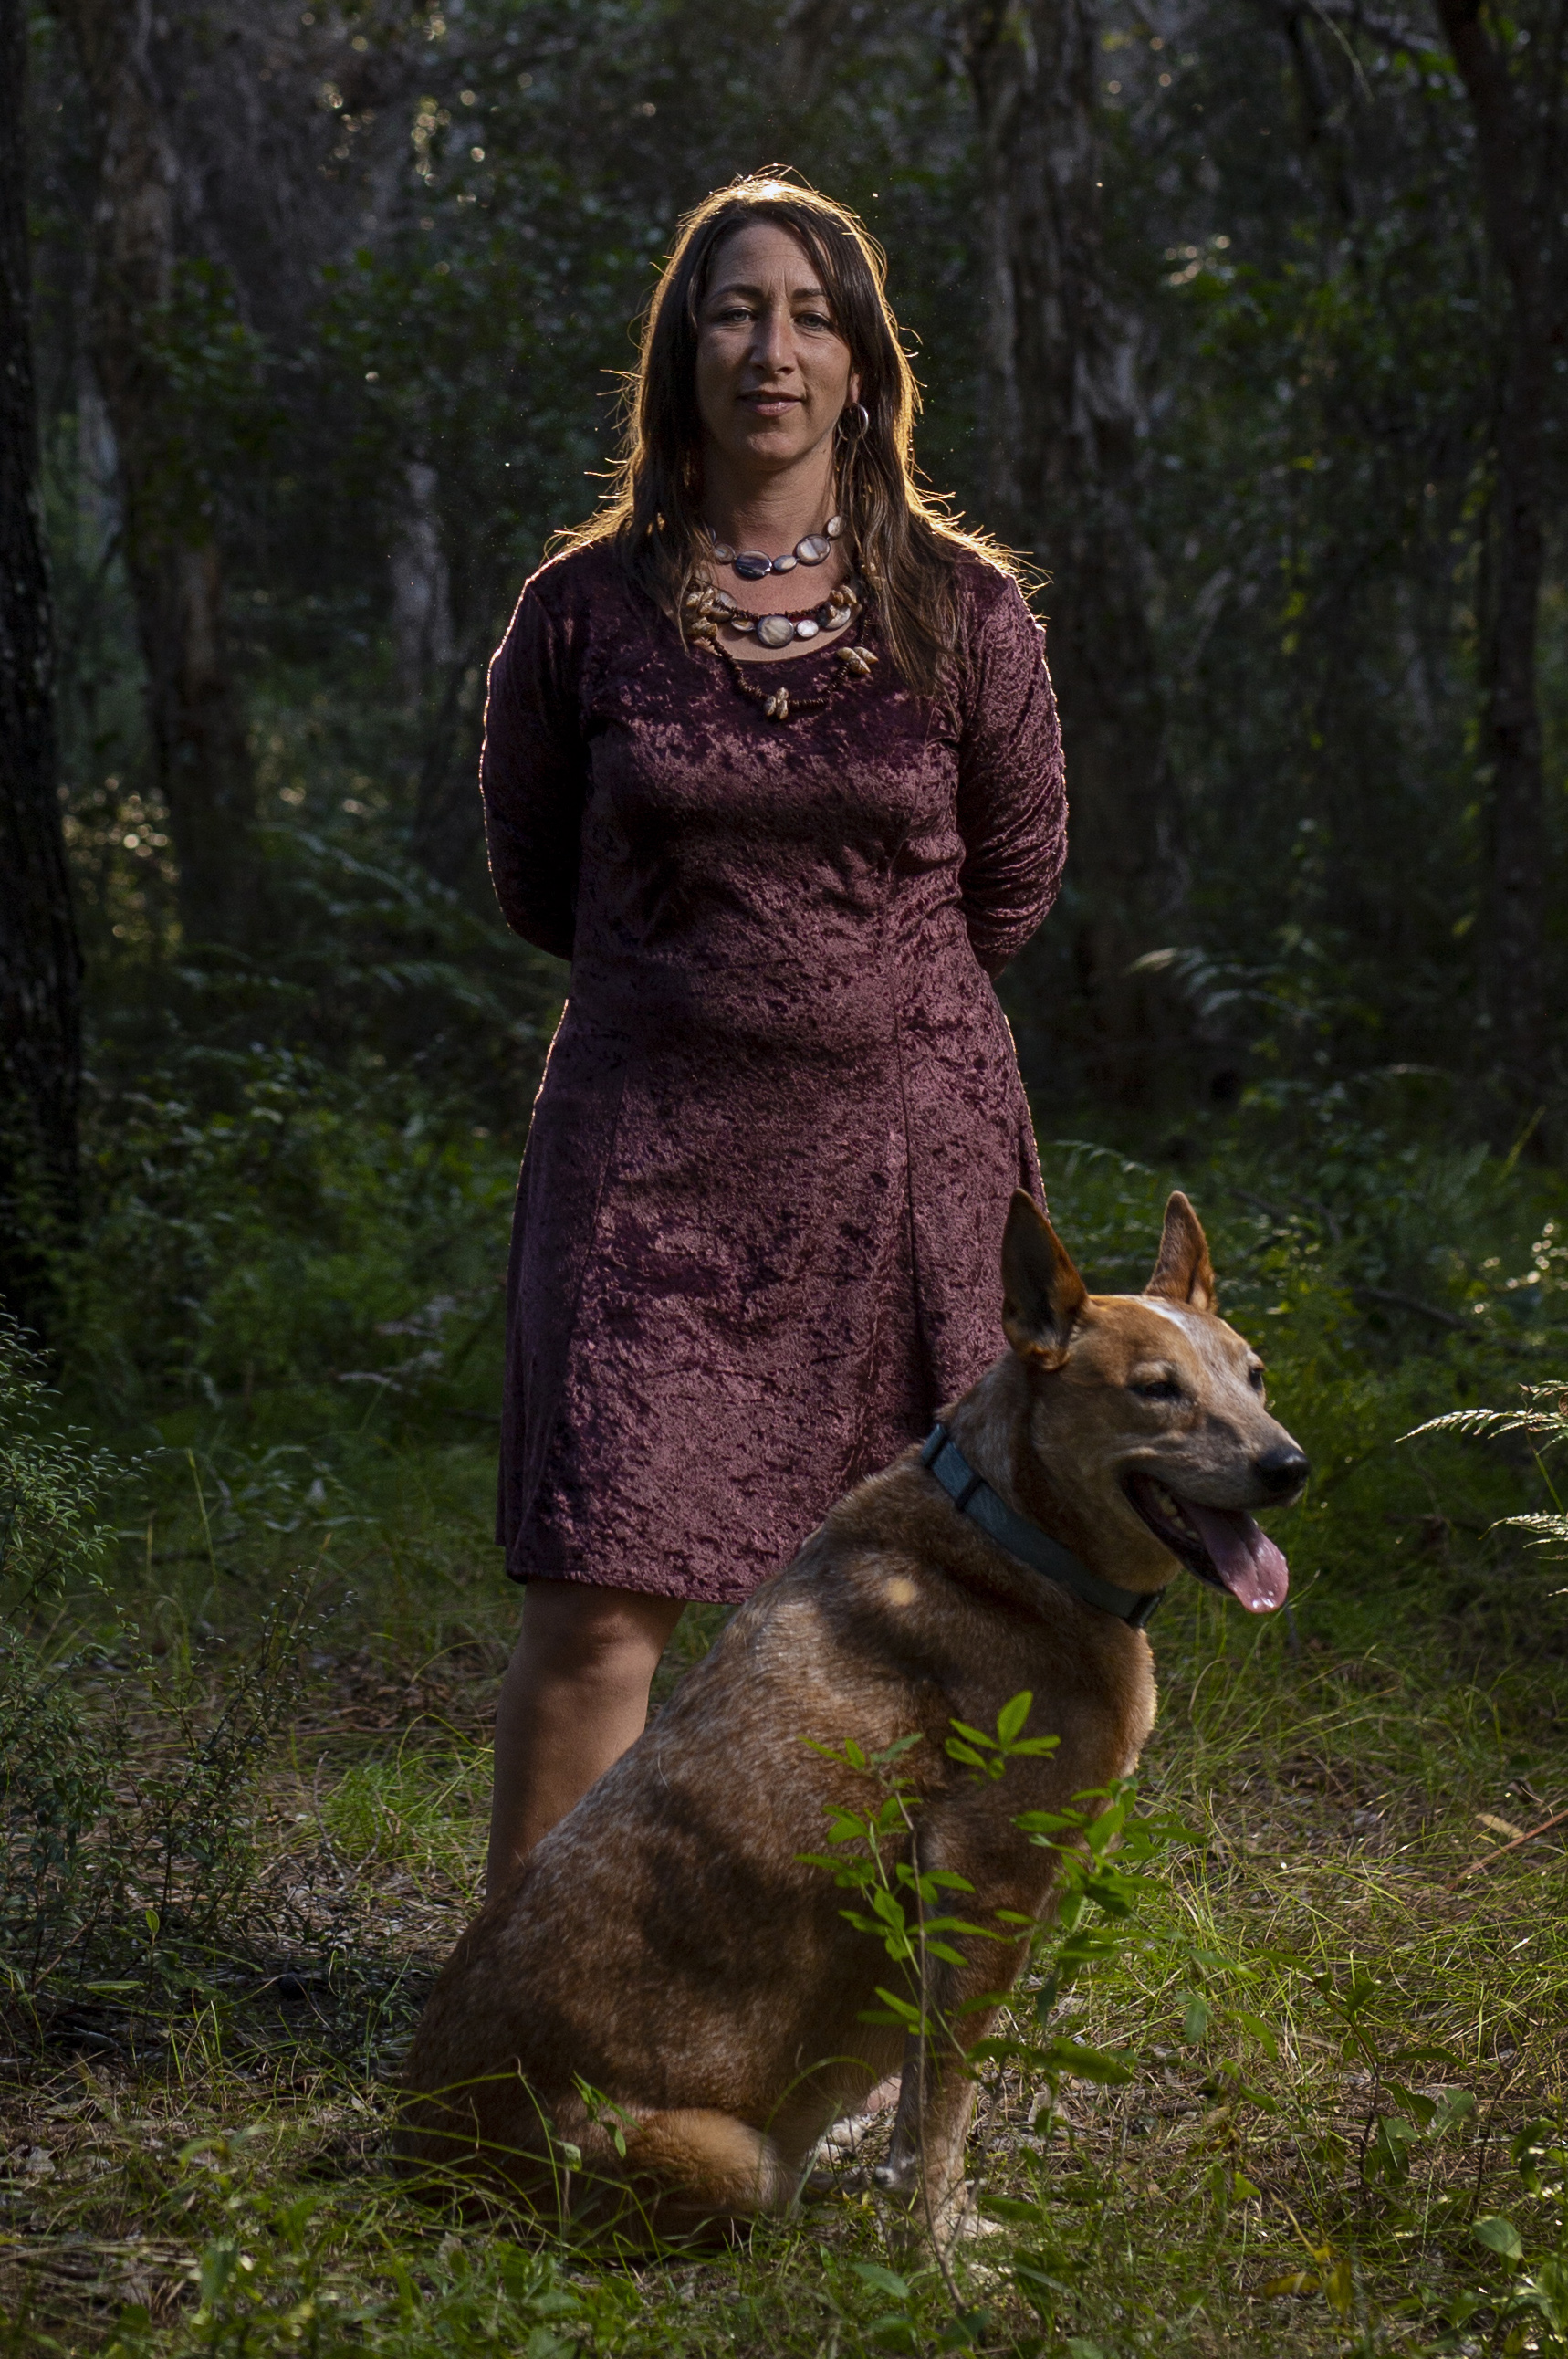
247, 1774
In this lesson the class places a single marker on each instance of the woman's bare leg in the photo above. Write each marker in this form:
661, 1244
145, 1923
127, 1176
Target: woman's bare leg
574, 1697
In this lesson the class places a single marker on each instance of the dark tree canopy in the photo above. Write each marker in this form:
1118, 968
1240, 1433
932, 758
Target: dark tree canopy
1225, 316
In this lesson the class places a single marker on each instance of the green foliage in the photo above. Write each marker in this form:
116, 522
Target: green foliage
127, 1794
52, 1482
217, 412
270, 2279
313, 1228
1543, 1414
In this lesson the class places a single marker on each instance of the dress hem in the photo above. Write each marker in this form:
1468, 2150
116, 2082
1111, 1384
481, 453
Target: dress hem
685, 1593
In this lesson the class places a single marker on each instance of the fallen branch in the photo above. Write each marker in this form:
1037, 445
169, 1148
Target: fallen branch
1477, 1867
1387, 1298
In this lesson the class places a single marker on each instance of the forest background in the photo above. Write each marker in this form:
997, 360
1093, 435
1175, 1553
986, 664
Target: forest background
1247, 323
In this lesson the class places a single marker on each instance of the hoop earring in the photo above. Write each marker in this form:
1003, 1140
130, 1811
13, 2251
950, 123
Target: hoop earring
864, 427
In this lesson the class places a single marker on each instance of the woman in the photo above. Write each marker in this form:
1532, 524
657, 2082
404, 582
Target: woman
771, 754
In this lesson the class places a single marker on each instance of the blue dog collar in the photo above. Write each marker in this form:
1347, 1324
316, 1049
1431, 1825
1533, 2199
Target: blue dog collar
973, 1496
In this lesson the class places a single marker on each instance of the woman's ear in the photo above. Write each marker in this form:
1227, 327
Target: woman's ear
854, 393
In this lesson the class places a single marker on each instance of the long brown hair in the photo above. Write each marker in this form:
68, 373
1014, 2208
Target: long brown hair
904, 547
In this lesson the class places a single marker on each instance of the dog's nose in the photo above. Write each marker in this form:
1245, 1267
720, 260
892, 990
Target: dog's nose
1283, 1468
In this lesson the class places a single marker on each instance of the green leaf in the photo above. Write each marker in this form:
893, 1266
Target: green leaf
900, 2007
1500, 2235
1086, 2063
1010, 2207
872, 2273
1009, 1720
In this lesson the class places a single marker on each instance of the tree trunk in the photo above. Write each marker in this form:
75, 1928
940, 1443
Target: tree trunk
1063, 455
448, 828
40, 966
1518, 155
199, 751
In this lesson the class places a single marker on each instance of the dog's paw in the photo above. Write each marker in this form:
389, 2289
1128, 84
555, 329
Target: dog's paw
972, 2227
899, 2175
818, 2186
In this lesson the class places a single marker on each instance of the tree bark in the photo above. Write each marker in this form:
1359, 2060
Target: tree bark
1064, 426
447, 831
1519, 160
40, 964
200, 755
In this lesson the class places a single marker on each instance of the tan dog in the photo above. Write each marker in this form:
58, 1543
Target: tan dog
656, 2021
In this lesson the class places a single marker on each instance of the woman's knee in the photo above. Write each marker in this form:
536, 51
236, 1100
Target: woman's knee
574, 1630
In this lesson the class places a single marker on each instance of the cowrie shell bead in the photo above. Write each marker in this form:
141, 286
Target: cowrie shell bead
775, 630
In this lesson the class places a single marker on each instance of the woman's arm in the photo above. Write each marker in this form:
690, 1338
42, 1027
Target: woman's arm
1012, 805
533, 774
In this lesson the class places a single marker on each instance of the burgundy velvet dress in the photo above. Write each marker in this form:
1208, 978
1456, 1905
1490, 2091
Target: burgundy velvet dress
760, 1215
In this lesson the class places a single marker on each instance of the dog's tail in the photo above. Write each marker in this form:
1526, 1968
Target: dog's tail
707, 2166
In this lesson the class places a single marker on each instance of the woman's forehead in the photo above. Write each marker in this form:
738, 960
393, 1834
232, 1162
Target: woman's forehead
758, 254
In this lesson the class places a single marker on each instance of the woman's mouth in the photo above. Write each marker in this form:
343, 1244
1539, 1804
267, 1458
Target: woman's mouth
770, 404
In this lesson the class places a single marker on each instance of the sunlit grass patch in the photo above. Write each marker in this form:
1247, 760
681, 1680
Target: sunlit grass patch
427, 1816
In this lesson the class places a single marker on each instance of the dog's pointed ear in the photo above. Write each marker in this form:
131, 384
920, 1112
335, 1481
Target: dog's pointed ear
1041, 1292
1184, 1272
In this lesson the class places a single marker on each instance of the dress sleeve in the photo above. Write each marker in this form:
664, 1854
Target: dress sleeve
533, 774
1012, 805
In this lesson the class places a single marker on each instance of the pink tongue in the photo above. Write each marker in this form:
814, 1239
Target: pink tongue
1246, 1559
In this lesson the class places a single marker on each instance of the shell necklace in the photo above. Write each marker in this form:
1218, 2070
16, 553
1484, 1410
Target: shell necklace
750, 563
707, 612
708, 603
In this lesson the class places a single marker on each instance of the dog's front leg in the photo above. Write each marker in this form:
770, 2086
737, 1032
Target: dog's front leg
924, 2164
937, 2095
925, 2156
900, 2174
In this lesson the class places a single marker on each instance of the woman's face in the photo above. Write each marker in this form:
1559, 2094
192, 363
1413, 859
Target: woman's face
773, 371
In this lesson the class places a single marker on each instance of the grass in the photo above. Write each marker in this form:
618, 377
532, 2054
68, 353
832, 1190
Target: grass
1344, 2057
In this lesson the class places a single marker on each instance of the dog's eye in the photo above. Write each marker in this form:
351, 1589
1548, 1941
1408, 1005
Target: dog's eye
1255, 1378
1159, 1388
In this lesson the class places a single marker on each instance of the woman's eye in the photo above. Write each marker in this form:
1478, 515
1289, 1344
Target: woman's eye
814, 319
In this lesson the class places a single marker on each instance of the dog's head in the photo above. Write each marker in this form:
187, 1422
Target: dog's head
1148, 1412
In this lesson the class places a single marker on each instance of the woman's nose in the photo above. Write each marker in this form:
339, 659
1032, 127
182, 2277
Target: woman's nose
773, 347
